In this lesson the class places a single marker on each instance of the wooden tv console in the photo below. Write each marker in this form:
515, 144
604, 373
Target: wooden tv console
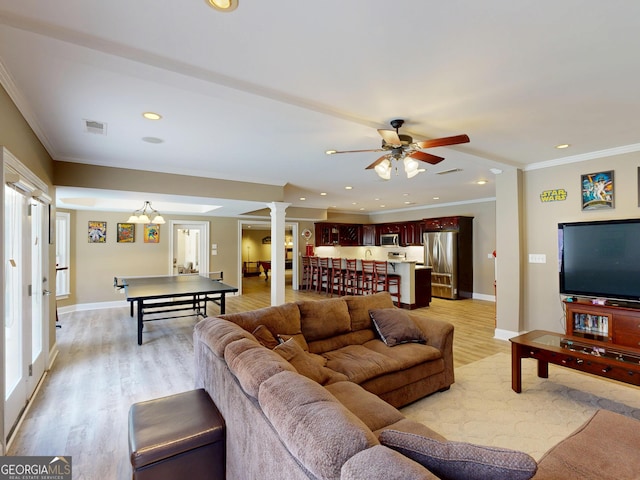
602, 340
617, 324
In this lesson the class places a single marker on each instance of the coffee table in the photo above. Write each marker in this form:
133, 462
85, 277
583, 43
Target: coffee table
590, 356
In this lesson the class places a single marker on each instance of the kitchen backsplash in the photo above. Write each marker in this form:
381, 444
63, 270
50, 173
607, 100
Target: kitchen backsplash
414, 254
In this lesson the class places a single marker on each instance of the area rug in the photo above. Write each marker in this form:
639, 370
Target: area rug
481, 407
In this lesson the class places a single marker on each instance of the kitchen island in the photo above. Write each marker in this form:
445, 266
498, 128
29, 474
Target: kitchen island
415, 283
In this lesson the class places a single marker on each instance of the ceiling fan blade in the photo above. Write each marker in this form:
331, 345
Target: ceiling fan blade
377, 162
443, 142
333, 152
390, 137
426, 157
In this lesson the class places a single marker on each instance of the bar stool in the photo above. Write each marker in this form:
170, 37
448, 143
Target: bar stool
306, 273
351, 280
323, 274
368, 280
336, 277
314, 272
384, 280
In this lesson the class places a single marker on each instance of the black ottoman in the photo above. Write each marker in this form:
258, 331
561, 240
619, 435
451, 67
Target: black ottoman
180, 436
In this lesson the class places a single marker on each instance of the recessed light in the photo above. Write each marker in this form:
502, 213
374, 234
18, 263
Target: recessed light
354, 203
223, 5
481, 182
405, 194
303, 198
323, 194
348, 187
152, 116
563, 145
331, 152
382, 206
361, 208
436, 198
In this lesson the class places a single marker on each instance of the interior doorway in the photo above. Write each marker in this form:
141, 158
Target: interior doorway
255, 256
189, 248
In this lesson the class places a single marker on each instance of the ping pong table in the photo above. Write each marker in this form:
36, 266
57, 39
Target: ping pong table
172, 293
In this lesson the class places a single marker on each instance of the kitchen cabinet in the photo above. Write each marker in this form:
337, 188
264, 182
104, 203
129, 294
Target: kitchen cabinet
408, 232
369, 235
331, 234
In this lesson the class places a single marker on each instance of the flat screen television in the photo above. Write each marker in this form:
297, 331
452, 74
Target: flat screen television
600, 259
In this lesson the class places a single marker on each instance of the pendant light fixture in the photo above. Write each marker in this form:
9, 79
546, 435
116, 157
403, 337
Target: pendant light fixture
144, 214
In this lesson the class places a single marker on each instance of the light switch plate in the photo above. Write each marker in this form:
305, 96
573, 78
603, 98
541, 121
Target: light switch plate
537, 258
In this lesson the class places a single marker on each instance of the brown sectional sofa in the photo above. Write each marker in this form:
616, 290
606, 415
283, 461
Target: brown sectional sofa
322, 405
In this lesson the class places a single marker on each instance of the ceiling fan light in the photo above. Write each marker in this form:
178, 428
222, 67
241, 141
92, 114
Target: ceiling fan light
383, 169
410, 164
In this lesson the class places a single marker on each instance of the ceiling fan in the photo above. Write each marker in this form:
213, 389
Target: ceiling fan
402, 147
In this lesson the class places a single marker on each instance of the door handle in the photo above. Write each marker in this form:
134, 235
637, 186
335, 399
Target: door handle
46, 292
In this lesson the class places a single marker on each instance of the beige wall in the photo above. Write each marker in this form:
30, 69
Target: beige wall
94, 265
17, 136
542, 302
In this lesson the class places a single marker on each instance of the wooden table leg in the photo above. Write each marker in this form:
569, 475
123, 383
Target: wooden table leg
516, 368
543, 369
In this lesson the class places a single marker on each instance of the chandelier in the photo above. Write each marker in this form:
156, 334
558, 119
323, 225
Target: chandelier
411, 166
144, 214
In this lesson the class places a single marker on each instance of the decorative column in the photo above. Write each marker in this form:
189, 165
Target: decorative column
278, 210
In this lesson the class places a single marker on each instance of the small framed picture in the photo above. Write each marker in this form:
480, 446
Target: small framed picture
151, 233
597, 190
97, 232
126, 232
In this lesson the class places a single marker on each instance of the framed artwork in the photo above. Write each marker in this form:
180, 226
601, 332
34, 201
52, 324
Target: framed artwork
97, 232
151, 233
597, 190
126, 232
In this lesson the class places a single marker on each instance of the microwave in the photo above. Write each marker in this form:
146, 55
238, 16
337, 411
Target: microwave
389, 240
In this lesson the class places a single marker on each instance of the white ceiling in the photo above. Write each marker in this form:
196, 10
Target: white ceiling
260, 93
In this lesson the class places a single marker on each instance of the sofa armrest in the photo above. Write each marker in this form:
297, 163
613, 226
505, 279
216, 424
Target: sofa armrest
382, 463
439, 334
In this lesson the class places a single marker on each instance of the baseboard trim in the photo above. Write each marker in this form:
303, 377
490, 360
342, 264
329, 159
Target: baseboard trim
500, 334
482, 296
81, 307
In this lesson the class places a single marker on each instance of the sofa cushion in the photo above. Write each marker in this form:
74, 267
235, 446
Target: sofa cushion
265, 337
604, 448
460, 460
324, 319
305, 364
407, 354
252, 364
218, 333
359, 307
281, 319
316, 429
382, 463
360, 363
395, 326
375, 413
339, 341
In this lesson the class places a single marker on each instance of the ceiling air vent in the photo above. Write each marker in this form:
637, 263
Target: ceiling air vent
453, 170
91, 126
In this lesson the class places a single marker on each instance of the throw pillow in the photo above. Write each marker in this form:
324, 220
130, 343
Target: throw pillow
303, 362
298, 337
395, 326
265, 337
459, 460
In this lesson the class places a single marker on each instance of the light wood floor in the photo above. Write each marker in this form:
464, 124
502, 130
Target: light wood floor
82, 406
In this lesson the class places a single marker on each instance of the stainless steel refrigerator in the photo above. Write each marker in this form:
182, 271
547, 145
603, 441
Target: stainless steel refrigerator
441, 254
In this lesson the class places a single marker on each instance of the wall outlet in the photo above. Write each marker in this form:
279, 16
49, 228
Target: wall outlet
537, 258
